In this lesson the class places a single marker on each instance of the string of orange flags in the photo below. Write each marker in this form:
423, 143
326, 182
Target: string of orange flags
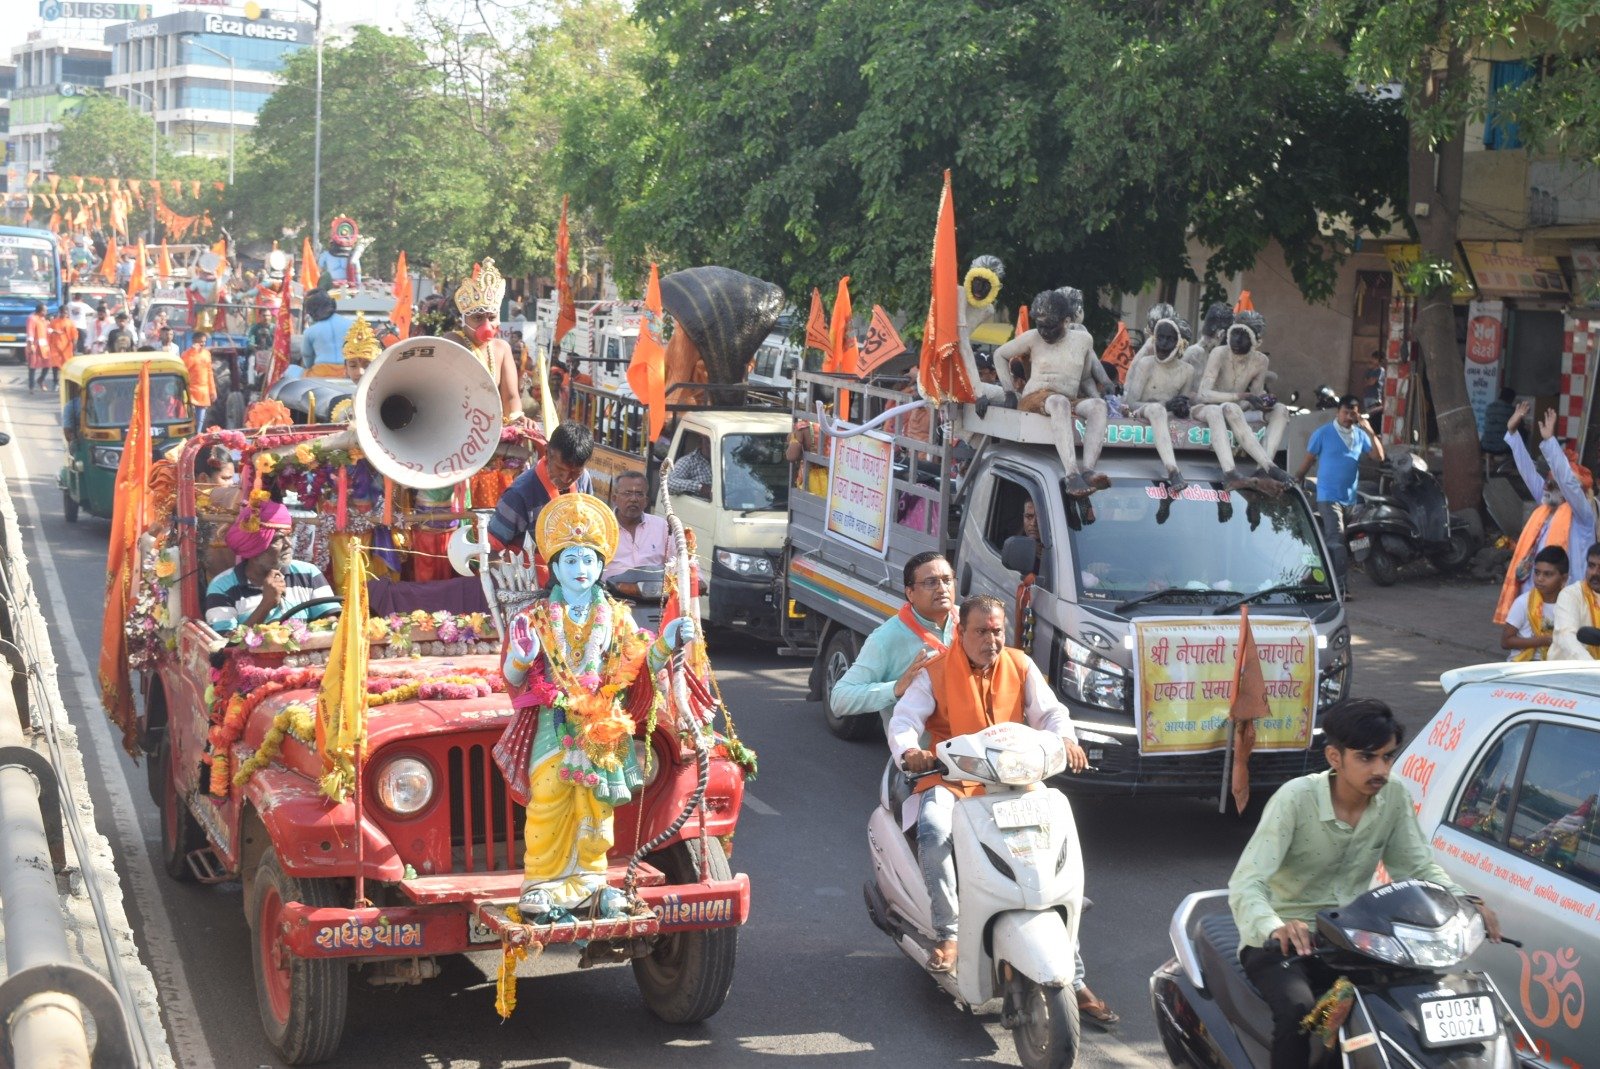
84, 202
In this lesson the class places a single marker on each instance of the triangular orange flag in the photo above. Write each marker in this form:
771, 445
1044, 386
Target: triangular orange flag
400, 314
883, 342
941, 375
1119, 354
1249, 705
817, 335
136, 280
1022, 321
130, 515
647, 372
845, 357
309, 275
164, 261
108, 265
1245, 303
566, 313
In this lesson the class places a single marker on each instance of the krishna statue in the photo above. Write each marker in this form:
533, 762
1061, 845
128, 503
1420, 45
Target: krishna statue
583, 677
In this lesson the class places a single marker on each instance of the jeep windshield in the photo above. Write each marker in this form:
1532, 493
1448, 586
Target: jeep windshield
1208, 548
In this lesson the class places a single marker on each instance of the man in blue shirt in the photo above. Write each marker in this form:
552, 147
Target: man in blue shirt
1336, 449
560, 472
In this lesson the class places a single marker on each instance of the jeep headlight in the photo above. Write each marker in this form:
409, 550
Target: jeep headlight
1091, 679
747, 565
405, 786
106, 457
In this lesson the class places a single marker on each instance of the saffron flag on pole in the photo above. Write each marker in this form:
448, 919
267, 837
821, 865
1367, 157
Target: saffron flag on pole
942, 376
1249, 705
108, 264
309, 275
1022, 322
566, 314
883, 342
817, 335
400, 314
342, 699
136, 280
164, 262
130, 515
647, 373
1119, 354
845, 357
1245, 303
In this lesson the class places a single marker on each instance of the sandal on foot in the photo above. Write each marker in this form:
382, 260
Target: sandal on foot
941, 960
1095, 1010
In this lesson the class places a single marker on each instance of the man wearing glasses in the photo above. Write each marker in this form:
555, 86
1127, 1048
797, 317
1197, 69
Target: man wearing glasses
1336, 449
903, 644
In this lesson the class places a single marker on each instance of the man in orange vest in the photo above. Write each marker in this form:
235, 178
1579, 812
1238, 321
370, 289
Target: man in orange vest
202, 377
976, 683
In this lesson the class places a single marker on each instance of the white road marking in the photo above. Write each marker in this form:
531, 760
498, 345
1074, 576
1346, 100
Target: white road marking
758, 806
161, 941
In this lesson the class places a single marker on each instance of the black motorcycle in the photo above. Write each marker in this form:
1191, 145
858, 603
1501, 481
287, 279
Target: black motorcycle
1400, 945
1409, 519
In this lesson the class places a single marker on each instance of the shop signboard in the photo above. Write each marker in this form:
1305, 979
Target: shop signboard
1485, 349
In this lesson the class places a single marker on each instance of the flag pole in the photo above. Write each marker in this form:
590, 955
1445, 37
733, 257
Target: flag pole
1226, 787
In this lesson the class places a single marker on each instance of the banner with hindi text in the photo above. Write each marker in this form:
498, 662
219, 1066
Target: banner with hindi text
1183, 681
860, 485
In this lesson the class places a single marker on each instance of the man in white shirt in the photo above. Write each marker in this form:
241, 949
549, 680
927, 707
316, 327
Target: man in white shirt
1578, 606
82, 316
643, 540
1527, 632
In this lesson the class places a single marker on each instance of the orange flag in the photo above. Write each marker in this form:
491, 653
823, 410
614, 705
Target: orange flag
220, 247
1119, 354
883, 342
1249, 705
130, 514
108, 264
1245, 303
309, 275
400, 314
845, 358
942, 376
1022, 321
136, 281
817, 335
164, 261
566, 314
647, 372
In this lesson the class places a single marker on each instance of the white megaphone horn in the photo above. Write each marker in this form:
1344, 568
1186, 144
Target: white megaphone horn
427, 413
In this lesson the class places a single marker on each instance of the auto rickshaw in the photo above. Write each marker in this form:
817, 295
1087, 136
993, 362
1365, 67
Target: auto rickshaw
96, 408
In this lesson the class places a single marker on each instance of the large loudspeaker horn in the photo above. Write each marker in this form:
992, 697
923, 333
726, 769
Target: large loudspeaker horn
427, 413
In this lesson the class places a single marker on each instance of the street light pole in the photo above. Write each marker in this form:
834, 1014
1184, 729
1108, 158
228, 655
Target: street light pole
155, 130
232, 115
316, 136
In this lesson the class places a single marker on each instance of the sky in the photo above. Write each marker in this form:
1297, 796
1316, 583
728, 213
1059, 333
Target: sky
338, 12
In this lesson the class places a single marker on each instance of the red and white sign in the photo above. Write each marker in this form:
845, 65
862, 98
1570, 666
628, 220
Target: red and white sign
1485, 348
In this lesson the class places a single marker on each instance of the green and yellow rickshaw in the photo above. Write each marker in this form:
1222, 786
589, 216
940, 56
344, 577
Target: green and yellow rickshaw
96, 408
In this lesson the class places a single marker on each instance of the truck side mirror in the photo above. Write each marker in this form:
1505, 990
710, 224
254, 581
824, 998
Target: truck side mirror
1019, 554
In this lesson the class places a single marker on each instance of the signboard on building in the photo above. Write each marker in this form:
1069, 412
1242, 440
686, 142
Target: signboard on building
50, 10
1485, 348
1506, 271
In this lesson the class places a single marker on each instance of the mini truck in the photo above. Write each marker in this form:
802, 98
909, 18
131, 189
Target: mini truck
1101, 565
431, 828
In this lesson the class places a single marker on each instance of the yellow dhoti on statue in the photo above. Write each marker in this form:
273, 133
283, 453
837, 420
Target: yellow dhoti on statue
567, 830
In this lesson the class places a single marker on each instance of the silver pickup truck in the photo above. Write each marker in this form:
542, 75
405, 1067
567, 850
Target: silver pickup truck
1100, 566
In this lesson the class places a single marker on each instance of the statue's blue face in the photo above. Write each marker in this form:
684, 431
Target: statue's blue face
577, 570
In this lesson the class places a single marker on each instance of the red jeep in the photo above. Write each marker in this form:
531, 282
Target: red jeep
430, 829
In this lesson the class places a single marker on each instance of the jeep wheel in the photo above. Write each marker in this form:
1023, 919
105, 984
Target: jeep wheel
302, 1000
837, 656
69, 506
686, 977
180, 832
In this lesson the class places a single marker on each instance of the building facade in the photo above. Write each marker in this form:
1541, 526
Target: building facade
53, 74
206, 73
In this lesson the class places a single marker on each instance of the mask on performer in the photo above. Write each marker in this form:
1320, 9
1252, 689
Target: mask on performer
1219, 317
1240, 340
484, 334
1166, 339
1049, 314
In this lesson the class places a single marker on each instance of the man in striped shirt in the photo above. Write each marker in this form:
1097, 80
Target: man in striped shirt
267, 583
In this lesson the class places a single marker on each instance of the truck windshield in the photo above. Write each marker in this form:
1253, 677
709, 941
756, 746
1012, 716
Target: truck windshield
755, 472
1130, 540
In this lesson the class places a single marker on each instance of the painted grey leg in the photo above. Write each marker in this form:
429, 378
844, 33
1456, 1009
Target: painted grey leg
1155, 414
1244, 436
1216, 421
1095, 416
1059, 409
1277, 427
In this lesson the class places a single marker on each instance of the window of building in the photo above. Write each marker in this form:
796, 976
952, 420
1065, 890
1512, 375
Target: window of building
1533, 367
1555, 811
1486, 798
1504, 77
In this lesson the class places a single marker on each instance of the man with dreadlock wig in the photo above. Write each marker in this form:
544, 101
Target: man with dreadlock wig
1235, 379
583, 677
1061, 384
1158, 383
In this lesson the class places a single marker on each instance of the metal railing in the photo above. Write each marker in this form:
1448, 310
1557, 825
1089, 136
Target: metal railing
46, 993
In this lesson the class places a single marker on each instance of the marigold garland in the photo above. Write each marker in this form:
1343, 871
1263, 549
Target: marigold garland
295, 720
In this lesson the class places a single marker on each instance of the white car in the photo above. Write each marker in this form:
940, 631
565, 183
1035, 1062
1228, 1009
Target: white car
1506, 780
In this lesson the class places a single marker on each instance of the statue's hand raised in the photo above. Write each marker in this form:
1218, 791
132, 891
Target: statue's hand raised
524, 644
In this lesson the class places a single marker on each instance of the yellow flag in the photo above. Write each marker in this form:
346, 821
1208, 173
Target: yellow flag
342, 701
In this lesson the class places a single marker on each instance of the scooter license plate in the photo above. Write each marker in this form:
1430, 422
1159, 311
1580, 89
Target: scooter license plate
1360, 543
1019, 813
1466, 1019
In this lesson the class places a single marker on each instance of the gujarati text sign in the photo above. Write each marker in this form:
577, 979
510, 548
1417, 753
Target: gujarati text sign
1183, 682
860, 478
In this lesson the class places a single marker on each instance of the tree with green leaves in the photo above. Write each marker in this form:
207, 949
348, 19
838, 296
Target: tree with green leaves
1426, 48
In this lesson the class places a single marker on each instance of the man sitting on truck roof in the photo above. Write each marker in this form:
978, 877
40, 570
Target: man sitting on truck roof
903, 644
1236, 379
559, 472
1159, 381
1061, 384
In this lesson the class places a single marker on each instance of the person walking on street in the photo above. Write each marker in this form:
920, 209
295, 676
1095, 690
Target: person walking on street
1529, 625
1565, 515
202, 378
1336, 449
82, 315
61, 345
38, 343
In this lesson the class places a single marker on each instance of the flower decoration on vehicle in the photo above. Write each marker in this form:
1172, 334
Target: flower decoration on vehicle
403, 633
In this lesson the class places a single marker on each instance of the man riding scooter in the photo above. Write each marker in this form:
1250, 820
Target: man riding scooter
1319, 842
976, 683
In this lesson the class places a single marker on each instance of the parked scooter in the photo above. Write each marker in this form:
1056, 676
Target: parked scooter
643, 589
1408, 519
1020, 892
1400, 945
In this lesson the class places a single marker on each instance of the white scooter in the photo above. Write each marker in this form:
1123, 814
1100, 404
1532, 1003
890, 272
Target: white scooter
1019, 885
